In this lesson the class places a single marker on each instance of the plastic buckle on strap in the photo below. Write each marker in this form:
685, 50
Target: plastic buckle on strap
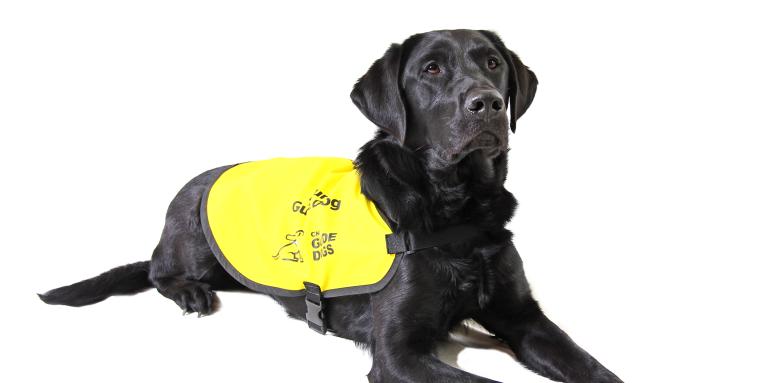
314, 301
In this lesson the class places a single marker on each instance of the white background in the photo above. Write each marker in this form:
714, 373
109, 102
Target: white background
640, 170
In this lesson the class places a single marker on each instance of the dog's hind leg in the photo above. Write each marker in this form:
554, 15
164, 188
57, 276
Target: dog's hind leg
193, 289
183, 267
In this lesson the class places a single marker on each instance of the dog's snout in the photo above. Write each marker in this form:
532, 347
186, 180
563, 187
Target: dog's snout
484, 101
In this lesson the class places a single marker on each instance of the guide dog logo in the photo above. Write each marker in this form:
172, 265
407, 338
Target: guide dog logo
292, 248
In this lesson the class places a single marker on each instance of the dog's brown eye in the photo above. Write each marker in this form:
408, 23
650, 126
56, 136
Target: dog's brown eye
493, 63
432, 69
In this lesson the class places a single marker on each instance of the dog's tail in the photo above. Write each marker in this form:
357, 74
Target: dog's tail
123, 280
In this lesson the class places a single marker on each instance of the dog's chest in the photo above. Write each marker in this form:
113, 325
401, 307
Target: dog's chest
467, 279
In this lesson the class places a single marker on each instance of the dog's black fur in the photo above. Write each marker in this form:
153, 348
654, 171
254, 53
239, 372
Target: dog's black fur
439, 159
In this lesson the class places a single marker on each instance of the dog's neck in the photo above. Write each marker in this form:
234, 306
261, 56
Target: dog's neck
418, 192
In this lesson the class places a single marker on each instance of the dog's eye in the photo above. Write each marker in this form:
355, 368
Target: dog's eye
493, 62
432, 69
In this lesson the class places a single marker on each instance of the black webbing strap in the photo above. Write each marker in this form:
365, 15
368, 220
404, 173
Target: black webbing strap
314, 301
409, 242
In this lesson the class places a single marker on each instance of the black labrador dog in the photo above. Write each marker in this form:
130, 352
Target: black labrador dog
439, 159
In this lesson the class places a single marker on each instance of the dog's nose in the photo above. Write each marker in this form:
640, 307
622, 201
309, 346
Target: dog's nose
484, 102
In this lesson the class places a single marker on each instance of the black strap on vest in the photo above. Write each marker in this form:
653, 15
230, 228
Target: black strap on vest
408, 243
397, 243
314, 301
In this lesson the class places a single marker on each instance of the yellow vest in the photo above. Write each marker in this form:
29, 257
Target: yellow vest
275, 224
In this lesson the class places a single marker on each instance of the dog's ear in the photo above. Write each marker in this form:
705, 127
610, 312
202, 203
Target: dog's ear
525, 87
377, 94
522, 81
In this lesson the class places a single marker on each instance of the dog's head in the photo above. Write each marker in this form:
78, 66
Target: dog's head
454, 92
295, 236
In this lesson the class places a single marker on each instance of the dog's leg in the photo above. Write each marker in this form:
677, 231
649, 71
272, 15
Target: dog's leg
515, 318
184, 270
183, 267
408, 323
186, 274
191, 296
544, 348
